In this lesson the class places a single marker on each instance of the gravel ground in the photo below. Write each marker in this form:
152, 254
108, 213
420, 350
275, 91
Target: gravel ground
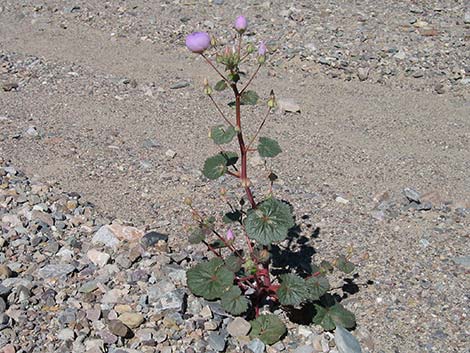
101, 108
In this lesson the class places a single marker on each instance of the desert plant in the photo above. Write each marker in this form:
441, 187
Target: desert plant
239, 273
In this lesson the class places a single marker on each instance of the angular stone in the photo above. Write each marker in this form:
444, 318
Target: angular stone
217, 341
238, 327
88, 287
256, 346
170, 154
152, 238
131, 319
55, 270
111, 235
105, 236
345, 342
412, 195
363, 74
9, 348
5, 271
160, 289
114, 296
462, 260
108, 337
119, 329
288, 105
99, 258
66, 334
304, 349
174, 300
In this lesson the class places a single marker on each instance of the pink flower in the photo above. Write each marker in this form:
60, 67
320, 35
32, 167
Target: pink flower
241, 24
197, 42
262, 48
230, 236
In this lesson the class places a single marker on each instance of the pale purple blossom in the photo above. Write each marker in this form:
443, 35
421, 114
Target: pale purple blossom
262, 48
230, 236
241, 24
197, 42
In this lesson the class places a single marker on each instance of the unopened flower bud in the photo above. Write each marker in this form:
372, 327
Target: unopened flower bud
223, 191
241, 24
262, 53
188, 201
207, 88
230, 236
262, 48
272, 100
213, 41
250, 48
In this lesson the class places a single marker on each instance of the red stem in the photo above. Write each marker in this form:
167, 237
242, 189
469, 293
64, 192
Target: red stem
243, 151
212, 249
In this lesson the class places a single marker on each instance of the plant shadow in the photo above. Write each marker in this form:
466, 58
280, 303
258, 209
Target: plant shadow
296, 255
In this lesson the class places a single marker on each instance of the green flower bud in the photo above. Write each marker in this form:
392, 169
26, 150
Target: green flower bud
272, 100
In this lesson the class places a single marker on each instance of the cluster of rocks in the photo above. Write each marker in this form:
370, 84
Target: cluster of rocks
422, 46
78, 283
389, 206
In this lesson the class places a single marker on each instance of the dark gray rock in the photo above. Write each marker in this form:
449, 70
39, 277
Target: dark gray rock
152, 238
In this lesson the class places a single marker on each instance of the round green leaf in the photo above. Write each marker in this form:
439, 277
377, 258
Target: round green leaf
249, 98
316, 287
292, 290
230, 157
268, 328
220, 85
197, 236
234, 302
222, 135
269, 222
268, 147
329, 317
214, 167
209, 279
344, 265
233, 263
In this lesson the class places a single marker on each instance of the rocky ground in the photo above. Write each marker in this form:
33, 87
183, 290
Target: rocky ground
103, 131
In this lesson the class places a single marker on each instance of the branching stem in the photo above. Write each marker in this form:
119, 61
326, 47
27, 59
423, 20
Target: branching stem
220, 111
251, 79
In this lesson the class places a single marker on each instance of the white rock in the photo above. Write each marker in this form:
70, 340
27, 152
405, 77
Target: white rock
288, 105
65, 254
304, 331
66, 335
345, 342
97, 257
105, 236
466, 18
342, 200
170, 154
238, 327
401, 55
